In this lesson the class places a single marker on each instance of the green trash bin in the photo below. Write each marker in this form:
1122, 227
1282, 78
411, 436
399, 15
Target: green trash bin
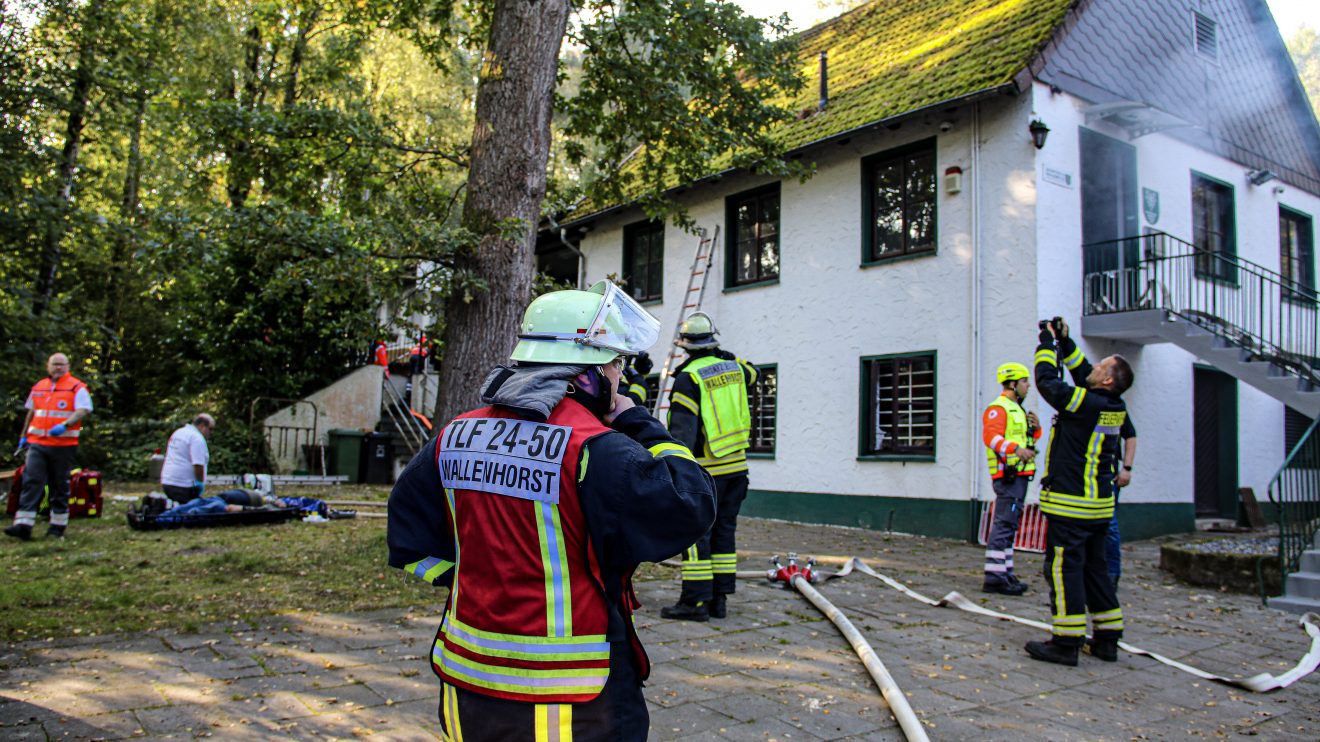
346, 453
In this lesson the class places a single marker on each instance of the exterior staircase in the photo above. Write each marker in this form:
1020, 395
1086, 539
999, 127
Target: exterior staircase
1245, 319
1250, 322
397, 405
1301, 592
1232, 354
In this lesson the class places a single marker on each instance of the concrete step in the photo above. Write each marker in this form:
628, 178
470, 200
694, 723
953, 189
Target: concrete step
1303, 585
1310, 561
1295, 605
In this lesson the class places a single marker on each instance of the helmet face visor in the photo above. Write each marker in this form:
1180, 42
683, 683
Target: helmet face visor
621, 324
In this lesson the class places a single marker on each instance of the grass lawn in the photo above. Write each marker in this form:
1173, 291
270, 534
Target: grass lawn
105, 577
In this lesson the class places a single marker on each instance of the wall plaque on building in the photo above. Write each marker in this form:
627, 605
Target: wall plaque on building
1150, 205
1057, 177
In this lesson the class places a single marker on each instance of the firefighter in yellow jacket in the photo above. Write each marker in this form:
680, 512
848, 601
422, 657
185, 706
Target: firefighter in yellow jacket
710, 414
1010, 434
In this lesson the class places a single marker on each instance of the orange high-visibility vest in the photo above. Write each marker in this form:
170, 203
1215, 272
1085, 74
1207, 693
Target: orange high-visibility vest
52, 403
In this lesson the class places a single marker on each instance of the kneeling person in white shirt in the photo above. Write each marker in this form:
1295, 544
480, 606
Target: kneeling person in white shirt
183, 476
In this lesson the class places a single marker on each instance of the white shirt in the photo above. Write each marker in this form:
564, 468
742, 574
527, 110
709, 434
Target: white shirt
187, 447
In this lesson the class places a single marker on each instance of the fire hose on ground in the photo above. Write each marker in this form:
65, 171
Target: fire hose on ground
801, 578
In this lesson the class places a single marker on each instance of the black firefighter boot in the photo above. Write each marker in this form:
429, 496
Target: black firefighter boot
718, 607
682, 611
55, 531
20, 531
1103, 648
1051, 651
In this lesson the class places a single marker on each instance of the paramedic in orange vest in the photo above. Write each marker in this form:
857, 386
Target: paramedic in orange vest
382, 356
1010, 434
56, 407
534, 511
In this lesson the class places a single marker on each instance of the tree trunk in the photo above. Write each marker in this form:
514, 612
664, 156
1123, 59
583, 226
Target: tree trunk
306, 22
506, 180
238, 184
67, 169
122, 248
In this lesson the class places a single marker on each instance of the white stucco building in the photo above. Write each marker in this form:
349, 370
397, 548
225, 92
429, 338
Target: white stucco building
881, 293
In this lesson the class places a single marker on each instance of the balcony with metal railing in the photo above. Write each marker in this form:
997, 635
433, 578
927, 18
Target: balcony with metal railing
1253, 322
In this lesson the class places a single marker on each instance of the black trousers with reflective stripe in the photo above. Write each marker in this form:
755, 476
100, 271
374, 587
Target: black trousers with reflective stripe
1075, 565
730, 491
47, 466
618, 714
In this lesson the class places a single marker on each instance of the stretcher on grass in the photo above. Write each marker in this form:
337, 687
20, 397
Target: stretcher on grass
141, 517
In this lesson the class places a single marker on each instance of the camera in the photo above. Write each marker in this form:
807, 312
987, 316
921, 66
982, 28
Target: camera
1056, 323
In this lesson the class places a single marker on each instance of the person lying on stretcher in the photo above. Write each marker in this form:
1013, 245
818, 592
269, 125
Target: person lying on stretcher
228, 501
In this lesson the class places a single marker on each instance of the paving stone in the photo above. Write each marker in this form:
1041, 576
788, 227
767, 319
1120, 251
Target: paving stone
193, 719
341, 698
770, 670
33, 732
391, 683
686, 720
119, 725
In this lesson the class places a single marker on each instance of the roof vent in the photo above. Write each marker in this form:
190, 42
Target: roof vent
1207, 36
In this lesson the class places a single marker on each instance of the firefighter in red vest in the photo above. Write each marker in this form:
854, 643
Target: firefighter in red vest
553, 494
56, 408
382, 356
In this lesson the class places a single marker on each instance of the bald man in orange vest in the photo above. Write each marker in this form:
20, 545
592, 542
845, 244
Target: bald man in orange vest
56, 407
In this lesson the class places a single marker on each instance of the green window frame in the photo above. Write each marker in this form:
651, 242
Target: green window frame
751, 242
1297, 256
1214, 229
644, 260
764, 401
898, 407
899, 203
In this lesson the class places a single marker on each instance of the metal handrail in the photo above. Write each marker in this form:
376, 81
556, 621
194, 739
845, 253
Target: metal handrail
1256, 308
1294, 490
414, 433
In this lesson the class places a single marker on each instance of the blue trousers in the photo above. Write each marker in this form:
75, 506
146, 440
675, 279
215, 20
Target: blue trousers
1114, 543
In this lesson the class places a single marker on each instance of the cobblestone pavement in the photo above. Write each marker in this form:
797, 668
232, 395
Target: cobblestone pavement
775, 669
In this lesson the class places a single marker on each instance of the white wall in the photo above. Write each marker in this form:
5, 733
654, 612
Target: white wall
1161, 400
352, 402
827, 311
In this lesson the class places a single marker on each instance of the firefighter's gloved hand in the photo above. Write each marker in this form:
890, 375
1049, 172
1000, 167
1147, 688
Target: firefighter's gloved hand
58, 429
22, 442
1046, 337
643, 363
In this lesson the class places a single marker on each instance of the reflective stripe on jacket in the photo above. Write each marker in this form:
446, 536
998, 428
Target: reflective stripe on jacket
1083, 449
527, 617
53, 404
1004, 430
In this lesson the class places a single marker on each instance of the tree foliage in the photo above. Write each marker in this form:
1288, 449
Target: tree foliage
207, 202
204, 202
1305, 49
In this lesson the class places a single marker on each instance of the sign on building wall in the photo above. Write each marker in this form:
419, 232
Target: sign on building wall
1056, 176
1150, 205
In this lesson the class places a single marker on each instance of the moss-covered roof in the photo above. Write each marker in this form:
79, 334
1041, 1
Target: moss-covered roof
891, 57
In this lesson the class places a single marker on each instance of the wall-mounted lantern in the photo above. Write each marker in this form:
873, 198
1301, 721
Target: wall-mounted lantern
1038, 131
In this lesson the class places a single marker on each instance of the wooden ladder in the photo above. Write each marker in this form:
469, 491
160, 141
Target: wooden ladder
692, 297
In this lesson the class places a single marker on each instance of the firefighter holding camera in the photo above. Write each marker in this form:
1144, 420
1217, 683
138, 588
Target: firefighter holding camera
1077, 495
1010, 434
